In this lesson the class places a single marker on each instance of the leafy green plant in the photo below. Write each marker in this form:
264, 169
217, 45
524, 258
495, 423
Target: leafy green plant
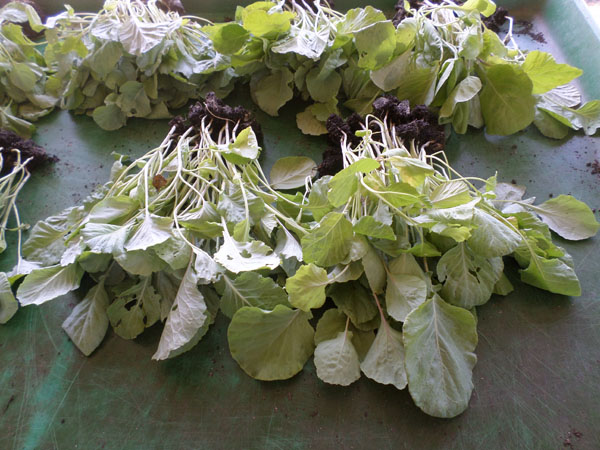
404, 246
132, 59
24, 95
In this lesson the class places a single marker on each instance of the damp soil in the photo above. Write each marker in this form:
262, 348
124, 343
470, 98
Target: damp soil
214, 110
418, 124
28, 149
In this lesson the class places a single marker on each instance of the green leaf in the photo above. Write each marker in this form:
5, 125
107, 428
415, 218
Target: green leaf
587, 117
463, 92
331, 323
105, 58
249, 289
140, 262
355, 301
406, 287
418, 85
390, 76
112, 208
227, 38
450, 194
188, 315
468, 278
134, 309
291, 172
133, 100
307, 287
345, 183
270, 345
88, 322
568, 217
439, 340
384, 362
48, 283
138, 36
318, 203
273, 91
109, 117
553, 275
329, 243
105, 238
308, 123
336, 360
546, 73
485, 7
22, 76
245, 256
492, 237
262, 24
374, 270
412, 170
375, 44
232, 206
8, 303
153, 230
550, 126
507, 103
368, 226
244, 148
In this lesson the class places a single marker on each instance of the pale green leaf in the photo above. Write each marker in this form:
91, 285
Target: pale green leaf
546, 73
406, 287
307, 287
48, 283
270, 345
468, 278
273, 91
569, 217
374, 270
109, 117
553, 275
105, 238
188, 315
384, 361
249, 289
153, 230
88, 322
291, 172
439, 340
355, 301
336, 360
8, 303
492, 237
329, 243
507, 103
369, 226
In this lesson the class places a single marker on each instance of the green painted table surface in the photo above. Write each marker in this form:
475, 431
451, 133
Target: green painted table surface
537, 381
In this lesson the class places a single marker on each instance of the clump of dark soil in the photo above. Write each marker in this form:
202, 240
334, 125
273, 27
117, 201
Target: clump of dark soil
494, 22
214, 110
28, 149
419, 124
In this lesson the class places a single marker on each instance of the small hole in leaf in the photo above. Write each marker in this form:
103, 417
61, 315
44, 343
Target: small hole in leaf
130, 305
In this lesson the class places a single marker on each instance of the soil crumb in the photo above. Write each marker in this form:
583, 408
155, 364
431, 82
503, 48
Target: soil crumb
595, 166
28, 149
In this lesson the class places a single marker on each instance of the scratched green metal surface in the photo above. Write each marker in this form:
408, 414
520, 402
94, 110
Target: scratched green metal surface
537, 381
